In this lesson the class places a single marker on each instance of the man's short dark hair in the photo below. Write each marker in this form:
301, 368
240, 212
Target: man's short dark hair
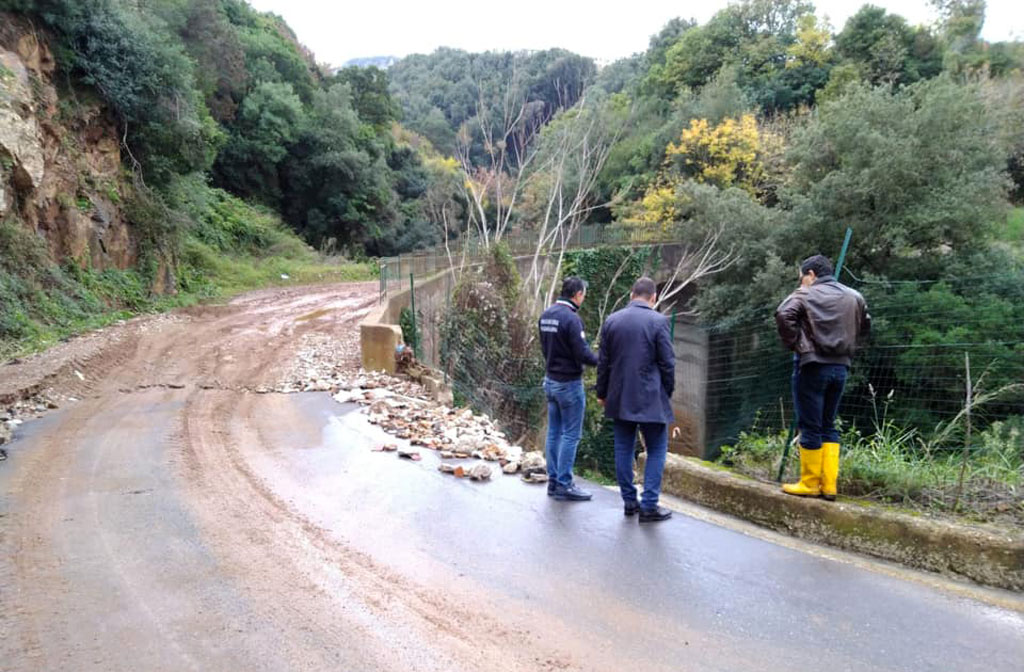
572, 286
819, 263
644, 288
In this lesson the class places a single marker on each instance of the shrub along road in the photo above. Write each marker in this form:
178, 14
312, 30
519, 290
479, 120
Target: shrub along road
174, 519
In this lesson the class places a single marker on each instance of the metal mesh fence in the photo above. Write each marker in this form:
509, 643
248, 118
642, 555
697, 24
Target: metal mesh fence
907, 387
912, 375
395, 271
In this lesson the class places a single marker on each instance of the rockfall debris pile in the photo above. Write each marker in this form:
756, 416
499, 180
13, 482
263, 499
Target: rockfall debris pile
14, 414
324, 363
401, 408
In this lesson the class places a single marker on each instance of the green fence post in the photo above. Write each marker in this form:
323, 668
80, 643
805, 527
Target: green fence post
842, 253
412, 301
796, 362
445, 360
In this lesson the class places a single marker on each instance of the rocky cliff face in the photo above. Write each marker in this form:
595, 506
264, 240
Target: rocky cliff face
60, 157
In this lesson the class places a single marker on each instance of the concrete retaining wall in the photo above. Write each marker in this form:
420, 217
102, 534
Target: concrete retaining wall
976, 553
379, 333
432, 295
687, 434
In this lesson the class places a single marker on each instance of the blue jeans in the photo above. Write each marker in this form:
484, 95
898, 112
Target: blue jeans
566, 403
656, 437
819, 387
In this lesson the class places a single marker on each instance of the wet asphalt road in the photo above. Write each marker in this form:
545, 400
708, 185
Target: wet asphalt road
684, 594
134, 576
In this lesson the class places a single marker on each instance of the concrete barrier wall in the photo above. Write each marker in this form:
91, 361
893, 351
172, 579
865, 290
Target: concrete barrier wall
378, 342
380, 333
687, 434
980, 554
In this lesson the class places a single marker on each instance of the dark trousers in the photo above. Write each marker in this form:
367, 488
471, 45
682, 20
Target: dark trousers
656, 437
817, 391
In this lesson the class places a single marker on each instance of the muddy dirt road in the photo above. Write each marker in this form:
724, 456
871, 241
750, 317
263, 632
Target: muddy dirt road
172, 518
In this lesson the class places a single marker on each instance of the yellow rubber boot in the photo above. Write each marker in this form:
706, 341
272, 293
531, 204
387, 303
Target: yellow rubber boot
810, 475
829, 470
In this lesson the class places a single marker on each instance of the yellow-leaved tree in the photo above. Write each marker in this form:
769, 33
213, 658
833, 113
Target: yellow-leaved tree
729, 154
725, 155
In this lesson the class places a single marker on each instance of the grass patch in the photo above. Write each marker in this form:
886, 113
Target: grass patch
597, 477
1013, 232
894, 465
212, 274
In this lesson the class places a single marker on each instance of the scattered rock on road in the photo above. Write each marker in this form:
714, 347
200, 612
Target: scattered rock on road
17, 412
402, 409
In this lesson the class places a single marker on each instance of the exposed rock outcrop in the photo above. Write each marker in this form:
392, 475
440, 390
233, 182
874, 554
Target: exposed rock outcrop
60, 157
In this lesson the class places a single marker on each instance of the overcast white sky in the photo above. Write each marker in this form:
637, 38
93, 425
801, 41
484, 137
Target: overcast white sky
337, 32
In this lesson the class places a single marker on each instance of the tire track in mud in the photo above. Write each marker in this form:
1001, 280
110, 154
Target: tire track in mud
40, 488
419, 628
310, 601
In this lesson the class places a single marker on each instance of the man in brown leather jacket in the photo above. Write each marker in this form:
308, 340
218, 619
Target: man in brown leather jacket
822, 322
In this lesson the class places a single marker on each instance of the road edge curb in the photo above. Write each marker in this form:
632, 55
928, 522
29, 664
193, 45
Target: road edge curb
953, 549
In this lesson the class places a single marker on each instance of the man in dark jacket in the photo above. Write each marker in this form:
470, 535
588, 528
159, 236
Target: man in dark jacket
565, 352
635, 380
822, 322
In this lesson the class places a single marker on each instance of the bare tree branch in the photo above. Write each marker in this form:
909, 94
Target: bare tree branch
694, 265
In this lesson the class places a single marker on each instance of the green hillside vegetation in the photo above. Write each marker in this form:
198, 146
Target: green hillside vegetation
764, 122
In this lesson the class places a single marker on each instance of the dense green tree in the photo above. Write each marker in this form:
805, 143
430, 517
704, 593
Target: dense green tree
272, 52
961, 22
370, 97
622, 75
754, 38
666, 37
1006, 58
335, 177
887, 50
267, 124
916, 173
144, 74
466, 87
215, 86
215, 46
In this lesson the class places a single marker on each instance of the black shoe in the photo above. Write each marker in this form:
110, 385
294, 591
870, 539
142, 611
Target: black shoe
631, 509
571, 494
655, 515
552, 486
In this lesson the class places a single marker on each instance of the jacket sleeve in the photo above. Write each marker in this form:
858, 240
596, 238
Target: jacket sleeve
788, 317
581, 352
666, 358
603, 362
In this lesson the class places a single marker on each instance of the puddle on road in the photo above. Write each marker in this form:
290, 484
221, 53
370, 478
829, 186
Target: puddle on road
314, 315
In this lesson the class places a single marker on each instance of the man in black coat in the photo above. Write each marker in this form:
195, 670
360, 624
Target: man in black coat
565, 353
635, 380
